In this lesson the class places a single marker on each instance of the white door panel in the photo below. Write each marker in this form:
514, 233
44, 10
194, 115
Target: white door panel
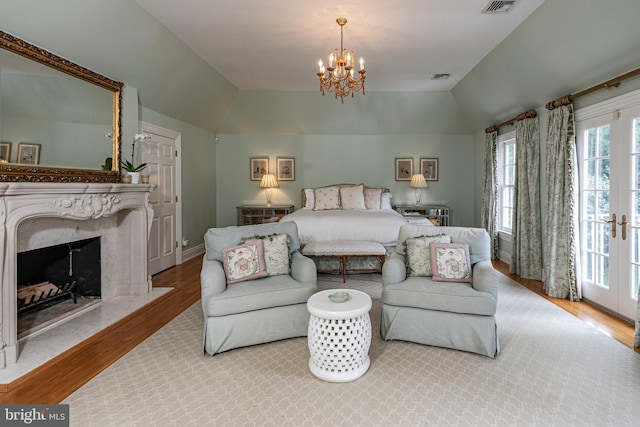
160, 153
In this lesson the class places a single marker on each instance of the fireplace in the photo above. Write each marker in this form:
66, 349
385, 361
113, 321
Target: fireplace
39, 215
56, 281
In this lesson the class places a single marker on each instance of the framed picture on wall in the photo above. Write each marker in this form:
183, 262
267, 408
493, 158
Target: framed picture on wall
28, 154
5, 152
259, 167
404, 168
286, 169
429, 168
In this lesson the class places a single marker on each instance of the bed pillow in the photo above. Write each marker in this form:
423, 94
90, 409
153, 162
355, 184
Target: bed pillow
244, 262
326, 198
277, 253
372, 198
450, 262
419, 255
352, 197
309, 198
385, 201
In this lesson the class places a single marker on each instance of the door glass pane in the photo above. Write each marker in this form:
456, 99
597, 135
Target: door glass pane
596, 208
634, 221
603, 141
603, 174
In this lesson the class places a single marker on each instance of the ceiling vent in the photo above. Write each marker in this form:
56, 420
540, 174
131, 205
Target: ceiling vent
498, 6
440, 76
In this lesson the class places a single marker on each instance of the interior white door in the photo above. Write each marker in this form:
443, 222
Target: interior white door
159, 152
609, 148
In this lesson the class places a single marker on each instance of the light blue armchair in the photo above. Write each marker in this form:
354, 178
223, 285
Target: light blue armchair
256, 311
445, 314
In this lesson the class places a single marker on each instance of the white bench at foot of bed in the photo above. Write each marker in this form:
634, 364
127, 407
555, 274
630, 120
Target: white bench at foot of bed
343, 250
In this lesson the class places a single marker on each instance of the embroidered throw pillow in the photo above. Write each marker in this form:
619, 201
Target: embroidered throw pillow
352, 197
450, 262
372, 198
277, 253
244, 262
326, 198
419, 256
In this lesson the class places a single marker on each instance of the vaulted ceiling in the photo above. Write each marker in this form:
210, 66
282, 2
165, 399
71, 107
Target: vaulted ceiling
275, 45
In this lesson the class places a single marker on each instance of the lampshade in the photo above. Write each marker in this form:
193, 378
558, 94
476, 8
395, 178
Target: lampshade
418, 181
269, 181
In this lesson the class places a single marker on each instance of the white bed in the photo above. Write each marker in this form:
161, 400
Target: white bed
380, 225
347, 212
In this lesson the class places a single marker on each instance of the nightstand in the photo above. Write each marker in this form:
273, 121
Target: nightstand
418, 214
259, 214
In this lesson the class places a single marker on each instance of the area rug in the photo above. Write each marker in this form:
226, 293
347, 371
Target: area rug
553, 370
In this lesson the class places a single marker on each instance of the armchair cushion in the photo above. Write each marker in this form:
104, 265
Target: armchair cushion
268, 292
427, 294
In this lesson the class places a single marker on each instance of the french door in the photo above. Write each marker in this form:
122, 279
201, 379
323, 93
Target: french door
608, 140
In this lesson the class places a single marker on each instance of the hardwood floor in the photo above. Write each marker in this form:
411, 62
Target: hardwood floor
54, 381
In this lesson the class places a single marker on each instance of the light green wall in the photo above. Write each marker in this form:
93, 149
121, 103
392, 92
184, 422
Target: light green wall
564, 46
328, 159
198, 175
376, 113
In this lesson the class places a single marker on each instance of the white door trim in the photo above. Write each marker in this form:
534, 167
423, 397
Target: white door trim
177, 137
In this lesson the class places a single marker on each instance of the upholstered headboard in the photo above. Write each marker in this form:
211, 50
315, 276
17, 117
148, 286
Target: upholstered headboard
303, 196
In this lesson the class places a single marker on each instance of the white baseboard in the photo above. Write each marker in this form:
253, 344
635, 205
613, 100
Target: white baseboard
193, 252
504, 257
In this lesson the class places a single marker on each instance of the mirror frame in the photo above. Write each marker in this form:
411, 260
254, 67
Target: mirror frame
19, 173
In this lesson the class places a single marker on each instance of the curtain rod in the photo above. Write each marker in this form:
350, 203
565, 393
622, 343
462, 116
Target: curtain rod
615, 82
526, 115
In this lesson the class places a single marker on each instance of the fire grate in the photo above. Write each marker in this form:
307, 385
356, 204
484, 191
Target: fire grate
39, 294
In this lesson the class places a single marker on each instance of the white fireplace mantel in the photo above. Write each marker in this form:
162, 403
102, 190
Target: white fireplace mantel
35, 215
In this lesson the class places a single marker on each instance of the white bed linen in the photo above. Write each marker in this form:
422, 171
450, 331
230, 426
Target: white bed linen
373, 225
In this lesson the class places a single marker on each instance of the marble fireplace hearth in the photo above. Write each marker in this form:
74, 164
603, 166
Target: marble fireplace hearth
37, 215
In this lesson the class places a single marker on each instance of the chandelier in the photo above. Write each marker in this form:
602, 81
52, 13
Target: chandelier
339, 75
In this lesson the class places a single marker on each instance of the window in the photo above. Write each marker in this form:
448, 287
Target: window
506, 180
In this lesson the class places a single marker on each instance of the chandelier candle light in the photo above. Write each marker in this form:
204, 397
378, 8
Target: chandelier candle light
338, 77
418, 182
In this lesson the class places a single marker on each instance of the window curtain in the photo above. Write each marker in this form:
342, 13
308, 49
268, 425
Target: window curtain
489, 215
562, 247
526, 257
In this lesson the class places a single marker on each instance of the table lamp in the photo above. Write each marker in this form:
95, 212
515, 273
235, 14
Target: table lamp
418, 182
268, 182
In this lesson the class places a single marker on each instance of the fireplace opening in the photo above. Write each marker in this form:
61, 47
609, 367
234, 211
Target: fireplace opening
57, 282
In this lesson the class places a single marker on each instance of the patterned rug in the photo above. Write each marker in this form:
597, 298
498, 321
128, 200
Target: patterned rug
553, 370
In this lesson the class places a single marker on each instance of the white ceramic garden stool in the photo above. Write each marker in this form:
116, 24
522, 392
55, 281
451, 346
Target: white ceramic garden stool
339, 335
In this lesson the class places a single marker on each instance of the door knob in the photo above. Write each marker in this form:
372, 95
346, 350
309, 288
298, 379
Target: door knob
612, 224
624, 227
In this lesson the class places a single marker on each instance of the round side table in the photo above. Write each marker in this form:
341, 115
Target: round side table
339, 335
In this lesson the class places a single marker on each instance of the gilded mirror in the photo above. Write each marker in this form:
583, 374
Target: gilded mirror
59, 122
